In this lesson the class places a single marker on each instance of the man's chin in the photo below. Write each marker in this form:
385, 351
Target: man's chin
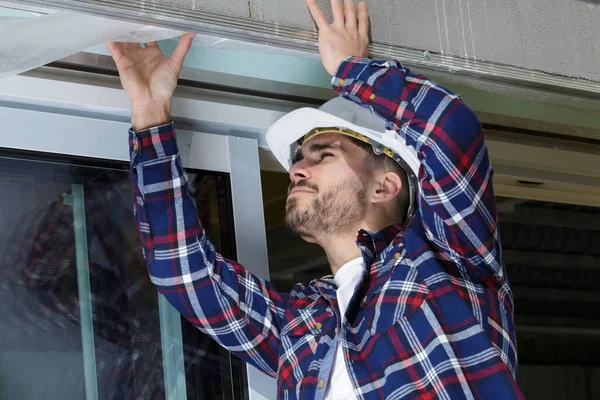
299, 202
296, 220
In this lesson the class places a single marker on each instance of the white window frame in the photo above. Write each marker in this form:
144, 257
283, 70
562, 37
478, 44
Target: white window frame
84, 119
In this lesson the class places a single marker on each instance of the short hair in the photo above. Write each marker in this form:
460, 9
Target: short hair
382, 162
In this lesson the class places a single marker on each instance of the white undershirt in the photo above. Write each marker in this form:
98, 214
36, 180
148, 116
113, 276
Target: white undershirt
340, 386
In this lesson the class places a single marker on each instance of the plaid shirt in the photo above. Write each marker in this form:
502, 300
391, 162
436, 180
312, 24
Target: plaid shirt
433, 314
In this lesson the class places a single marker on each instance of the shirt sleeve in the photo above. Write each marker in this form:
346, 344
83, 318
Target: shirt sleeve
241, 311
456, 199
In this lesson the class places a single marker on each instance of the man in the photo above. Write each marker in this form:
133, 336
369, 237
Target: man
419, 305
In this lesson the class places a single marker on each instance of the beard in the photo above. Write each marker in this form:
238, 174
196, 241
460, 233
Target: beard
332, 212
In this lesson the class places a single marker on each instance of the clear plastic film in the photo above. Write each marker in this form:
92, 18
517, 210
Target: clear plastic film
152, 33
33, 42
36, 41
145, 34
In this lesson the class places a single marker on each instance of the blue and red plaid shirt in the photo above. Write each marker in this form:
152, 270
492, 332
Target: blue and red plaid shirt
433, 314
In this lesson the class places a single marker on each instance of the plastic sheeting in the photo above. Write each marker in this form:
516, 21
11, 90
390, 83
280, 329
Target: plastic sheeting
33, 42
36, 41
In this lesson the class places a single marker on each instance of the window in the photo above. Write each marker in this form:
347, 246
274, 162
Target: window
79, 317
211, 371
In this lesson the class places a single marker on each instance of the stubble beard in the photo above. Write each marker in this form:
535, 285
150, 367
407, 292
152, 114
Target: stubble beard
333, 212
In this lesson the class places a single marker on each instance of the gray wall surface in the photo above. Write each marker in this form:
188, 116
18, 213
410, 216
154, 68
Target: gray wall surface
555, 36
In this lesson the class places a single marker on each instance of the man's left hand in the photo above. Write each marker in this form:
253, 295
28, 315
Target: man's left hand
347, 36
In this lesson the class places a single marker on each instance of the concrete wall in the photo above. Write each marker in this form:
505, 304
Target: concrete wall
556, 36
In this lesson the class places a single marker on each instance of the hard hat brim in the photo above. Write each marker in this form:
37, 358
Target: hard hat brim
283, 135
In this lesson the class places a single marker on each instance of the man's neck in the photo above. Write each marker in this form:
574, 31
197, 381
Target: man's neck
339, 249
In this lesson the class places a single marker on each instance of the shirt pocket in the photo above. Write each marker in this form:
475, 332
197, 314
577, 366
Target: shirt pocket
305, 328
307, 313
296, 350
297, 353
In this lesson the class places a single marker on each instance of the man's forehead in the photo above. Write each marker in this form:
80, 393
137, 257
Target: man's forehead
326, 138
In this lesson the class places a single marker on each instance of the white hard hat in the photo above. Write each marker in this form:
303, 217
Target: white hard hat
348, 118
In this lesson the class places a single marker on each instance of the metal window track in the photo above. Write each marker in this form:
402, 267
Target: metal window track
274, 35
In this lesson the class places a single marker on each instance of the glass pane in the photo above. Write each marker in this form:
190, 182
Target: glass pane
47, 349
212, 372
44, 352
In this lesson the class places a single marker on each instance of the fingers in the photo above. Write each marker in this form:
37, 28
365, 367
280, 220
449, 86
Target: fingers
338, 13
182, 49
126, 46
151, 44
363, 20
115, 50
317, 14
350, 13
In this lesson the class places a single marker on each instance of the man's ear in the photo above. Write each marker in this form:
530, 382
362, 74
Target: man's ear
387, 187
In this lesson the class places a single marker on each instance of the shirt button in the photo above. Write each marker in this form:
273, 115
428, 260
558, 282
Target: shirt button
136, 146
372, 97
318, 325
364, 299
321, 384
396, 256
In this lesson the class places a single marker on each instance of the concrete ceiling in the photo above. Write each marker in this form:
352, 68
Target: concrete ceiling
555, 36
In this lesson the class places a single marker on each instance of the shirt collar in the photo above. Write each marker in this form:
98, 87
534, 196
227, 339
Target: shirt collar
373, 243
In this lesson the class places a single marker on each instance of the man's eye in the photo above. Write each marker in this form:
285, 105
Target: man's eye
323, 155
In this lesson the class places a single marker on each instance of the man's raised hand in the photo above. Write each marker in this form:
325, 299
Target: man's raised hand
149, 78
347, 36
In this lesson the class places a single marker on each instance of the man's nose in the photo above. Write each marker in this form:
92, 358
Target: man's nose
299, 170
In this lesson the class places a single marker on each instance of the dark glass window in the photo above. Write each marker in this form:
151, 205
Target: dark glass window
79, 317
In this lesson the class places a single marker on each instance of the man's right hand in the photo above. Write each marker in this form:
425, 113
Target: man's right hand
149, 79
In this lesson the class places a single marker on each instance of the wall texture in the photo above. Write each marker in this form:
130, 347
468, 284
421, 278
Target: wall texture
555, 36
